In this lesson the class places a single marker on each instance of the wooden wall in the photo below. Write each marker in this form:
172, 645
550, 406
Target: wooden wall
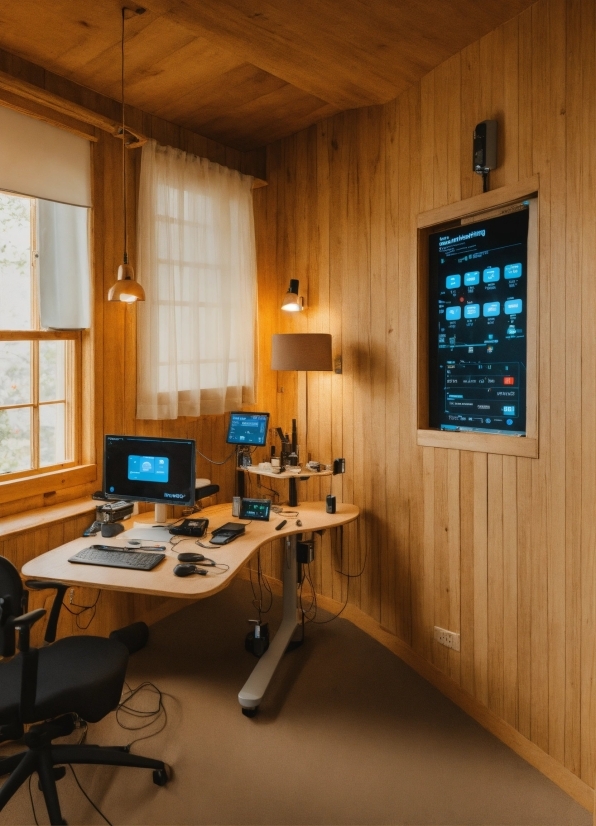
498, 548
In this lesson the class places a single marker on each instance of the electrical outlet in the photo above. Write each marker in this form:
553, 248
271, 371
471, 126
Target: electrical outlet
71, 596
450, 639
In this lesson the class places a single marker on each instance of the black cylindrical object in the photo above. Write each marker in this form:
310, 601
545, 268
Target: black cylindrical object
134, 636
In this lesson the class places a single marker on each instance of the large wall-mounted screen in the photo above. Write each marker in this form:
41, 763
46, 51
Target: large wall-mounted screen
478, 325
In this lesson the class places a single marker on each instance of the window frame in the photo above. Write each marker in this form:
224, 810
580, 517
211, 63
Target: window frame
446, 217
80, 469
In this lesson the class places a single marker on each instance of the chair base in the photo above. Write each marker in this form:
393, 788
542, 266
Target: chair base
43, 758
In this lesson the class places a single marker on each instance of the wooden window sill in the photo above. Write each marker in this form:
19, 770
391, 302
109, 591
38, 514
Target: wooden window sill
20, 523
43, 483
479, 442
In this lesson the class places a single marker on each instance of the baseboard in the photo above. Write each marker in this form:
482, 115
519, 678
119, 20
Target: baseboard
530, 752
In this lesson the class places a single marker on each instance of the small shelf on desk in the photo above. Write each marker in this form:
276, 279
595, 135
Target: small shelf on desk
287, 474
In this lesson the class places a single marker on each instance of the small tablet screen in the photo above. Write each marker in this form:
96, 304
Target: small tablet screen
248, 429
255, 509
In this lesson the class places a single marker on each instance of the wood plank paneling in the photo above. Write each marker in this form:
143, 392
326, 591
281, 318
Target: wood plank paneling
498, 547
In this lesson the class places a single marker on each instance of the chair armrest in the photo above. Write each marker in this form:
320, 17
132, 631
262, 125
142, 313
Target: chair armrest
23, 625
60, 588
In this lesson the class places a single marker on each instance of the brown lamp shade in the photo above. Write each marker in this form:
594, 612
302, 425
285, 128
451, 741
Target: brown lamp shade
301, 351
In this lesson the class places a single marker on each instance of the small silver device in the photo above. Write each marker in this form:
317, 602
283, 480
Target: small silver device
236, 505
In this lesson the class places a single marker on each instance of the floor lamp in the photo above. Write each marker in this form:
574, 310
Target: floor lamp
301, 351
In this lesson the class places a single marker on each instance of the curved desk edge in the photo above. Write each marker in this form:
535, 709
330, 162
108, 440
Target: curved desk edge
54, 564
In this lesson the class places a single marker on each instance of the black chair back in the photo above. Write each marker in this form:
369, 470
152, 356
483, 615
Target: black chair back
14, 603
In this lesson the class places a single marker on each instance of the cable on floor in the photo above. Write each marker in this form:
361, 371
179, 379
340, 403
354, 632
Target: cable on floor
150, 716
87, 796
32, 803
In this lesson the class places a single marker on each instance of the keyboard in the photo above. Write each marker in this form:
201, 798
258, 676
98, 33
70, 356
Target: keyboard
137, 560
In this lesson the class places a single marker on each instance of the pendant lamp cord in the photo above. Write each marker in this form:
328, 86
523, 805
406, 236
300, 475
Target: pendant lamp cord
124, 9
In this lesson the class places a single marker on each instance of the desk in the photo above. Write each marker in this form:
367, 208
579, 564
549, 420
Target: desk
161, 581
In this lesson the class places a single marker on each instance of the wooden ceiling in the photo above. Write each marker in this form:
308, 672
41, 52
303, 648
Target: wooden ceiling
248, 72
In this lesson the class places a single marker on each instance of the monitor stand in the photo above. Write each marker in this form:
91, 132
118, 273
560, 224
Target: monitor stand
161, 514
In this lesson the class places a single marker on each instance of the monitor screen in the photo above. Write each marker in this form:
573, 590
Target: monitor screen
248, 429
478, 325
144, 469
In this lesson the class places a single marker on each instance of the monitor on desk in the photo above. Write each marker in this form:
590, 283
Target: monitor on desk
248, 429
145, 469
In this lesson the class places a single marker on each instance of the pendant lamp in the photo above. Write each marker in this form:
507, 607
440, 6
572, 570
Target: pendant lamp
126, 288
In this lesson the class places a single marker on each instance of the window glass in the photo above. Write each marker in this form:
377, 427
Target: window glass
15, 439
15, 370
51, 370
15, 263
52, 447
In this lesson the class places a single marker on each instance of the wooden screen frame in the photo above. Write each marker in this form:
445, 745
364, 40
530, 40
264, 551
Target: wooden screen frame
436, 220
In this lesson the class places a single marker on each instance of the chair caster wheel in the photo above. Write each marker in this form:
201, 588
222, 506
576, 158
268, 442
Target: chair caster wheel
160, 777
250, 712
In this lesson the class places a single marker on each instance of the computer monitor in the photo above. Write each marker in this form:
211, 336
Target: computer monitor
146, 469
248, 429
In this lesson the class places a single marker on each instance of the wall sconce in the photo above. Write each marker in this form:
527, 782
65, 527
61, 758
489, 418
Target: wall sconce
293, 303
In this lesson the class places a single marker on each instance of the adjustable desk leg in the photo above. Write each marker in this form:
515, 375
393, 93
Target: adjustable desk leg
256, 685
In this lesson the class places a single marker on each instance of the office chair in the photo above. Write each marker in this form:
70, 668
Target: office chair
50, 689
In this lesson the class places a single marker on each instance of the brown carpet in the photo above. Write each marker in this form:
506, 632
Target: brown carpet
347, 734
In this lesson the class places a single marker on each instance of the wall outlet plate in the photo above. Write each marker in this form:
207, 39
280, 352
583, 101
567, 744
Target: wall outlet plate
450, 639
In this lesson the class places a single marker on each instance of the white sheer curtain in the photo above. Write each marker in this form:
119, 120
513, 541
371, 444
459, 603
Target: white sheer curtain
196, 260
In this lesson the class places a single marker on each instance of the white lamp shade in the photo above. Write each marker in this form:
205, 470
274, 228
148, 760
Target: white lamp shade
301, 351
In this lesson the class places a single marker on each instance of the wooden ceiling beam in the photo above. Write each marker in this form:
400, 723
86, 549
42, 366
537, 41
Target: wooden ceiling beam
349, 54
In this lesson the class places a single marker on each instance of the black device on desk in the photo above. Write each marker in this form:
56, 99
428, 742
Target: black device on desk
190, 527
227, 533
117, 558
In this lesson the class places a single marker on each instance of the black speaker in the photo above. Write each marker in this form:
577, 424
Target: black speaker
485, 147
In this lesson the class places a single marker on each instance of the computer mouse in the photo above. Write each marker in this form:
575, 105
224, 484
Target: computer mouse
187, 570
190, 557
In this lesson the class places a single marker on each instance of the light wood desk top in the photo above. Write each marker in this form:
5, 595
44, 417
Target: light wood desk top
161, 580
303, 474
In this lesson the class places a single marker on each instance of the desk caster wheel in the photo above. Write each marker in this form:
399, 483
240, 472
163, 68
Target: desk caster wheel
160, 777
250, 712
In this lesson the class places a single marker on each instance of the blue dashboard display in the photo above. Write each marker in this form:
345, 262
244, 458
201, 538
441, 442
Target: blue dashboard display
477, 325
148, 468
248, 428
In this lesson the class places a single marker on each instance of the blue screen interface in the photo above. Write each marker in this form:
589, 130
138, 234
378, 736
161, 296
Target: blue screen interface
248, 428
478, 325
148, 468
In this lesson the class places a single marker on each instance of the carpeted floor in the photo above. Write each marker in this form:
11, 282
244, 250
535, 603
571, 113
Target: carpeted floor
347, 734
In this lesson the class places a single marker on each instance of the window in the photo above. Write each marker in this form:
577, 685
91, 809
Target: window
197, 263
39, 369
